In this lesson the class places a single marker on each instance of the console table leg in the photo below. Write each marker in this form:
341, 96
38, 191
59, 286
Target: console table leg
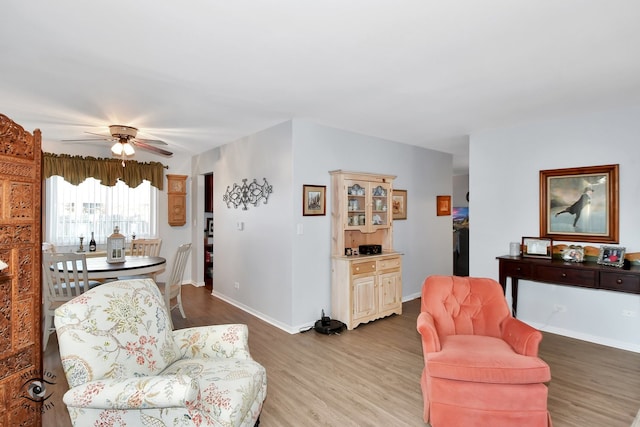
514, 296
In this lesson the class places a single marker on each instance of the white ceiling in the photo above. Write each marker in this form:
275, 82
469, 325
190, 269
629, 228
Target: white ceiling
199, 74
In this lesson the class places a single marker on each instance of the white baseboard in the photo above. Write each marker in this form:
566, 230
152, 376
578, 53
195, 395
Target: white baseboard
276, 323
587, 337
259, 315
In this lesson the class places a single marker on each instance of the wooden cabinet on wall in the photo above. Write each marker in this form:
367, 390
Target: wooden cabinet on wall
20, 289
177, 199
363, 287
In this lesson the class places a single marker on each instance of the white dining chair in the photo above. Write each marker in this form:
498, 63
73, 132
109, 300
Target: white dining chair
172, 289
64, 276
144, 247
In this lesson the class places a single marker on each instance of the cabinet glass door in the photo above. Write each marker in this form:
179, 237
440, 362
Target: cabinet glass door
380, 205
356, 204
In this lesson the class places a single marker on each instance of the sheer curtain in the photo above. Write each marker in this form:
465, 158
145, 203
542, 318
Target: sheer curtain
78, 210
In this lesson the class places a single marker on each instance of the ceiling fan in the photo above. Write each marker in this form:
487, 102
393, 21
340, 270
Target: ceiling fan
125, 141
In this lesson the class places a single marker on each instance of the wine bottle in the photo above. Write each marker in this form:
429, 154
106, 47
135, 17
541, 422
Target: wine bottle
92, 244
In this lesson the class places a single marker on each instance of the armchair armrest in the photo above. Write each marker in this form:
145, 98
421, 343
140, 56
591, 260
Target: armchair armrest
160, 391
523, 338
229, 341
427, 328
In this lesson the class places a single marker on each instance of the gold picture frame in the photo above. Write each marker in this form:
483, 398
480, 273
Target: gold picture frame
580, 204
399, 204
314, 200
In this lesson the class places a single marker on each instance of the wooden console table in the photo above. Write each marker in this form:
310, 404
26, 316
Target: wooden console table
559, 272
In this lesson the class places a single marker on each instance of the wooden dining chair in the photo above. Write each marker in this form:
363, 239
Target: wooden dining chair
64, 276
145, 247
172, 289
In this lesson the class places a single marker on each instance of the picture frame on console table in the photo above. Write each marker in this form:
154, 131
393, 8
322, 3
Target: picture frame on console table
580, 204
611, 255
537, 247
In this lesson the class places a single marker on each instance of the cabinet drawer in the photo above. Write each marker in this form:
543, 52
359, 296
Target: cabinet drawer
586, 278
363, 267
388, 263
620, 282
519, 270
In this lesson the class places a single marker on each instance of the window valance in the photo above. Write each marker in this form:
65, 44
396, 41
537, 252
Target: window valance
75, 169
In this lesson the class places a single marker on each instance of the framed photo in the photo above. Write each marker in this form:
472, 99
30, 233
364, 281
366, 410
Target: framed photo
580, 204
209, 227
314, 200
573, 253
399, 204
537, 247
611, 255
443, 205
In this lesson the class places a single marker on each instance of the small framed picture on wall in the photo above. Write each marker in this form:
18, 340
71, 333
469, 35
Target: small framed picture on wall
314, 199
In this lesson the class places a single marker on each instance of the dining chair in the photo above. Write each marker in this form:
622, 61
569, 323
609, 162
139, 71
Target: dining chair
64, 276
172, 289
144, 247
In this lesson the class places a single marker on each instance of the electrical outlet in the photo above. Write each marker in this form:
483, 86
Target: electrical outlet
559, 308
629, 313
236, 285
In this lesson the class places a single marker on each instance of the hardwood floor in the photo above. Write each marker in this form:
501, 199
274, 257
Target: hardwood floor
370, 376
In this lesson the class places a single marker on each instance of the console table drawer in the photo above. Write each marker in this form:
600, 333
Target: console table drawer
586, 278
620, 282
520, 270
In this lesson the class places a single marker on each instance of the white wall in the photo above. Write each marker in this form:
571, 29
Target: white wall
504, 187
460, 190
258, 257
285, 277
424, 238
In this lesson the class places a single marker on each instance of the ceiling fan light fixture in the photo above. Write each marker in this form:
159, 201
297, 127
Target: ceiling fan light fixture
117, 148
128, 149
122, 148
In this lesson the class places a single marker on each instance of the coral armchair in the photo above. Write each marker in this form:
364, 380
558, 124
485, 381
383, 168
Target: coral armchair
125, 366
480, 364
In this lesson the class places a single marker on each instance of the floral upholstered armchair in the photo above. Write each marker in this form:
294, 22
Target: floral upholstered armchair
126, 367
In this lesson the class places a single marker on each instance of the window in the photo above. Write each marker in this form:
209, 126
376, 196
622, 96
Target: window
77, 210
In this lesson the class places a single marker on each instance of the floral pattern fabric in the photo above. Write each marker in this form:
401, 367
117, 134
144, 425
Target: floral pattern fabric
126, 367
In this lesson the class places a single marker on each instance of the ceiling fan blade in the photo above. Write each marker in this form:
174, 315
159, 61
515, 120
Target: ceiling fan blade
86, 140
145, 146
152, 141
99, 134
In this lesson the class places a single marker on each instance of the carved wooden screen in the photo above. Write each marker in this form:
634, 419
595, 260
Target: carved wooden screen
20, 289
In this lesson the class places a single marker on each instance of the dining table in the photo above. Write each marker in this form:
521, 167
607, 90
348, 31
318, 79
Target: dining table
99, 268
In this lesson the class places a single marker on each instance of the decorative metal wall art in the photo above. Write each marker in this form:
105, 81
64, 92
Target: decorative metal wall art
249, 194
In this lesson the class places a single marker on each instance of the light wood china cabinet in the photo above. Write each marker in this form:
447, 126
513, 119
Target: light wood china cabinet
363, 287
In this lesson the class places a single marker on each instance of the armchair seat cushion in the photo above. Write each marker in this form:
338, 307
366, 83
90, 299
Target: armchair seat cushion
484, 359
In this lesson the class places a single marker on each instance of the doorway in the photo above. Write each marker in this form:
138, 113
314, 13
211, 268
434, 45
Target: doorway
208, 232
